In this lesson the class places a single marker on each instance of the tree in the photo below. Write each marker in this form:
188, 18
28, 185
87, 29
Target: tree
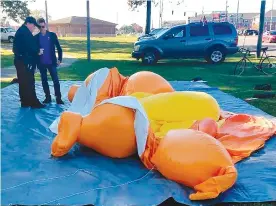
126, 29
133, 4
137, 28
40, 14
16, 10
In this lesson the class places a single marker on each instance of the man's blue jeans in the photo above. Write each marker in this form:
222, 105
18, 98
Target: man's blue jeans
53, 72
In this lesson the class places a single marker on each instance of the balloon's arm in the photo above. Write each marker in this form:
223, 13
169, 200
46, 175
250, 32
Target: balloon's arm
68, 133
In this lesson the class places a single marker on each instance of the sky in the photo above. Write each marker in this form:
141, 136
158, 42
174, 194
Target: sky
117, 11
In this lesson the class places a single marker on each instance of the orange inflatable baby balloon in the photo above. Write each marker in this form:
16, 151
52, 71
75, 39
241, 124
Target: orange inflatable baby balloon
191, 141
197, 160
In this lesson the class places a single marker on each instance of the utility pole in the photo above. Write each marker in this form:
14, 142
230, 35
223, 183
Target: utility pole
237, 23
226, 11
46, 13
148, 17
261, 28
160, 13
88, 31
271, 17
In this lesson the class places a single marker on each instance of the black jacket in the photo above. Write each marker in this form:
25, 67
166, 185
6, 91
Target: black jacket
54, 44
25, 46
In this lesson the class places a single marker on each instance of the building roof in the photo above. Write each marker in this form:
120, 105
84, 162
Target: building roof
210, 16
268, 14
246, 15
77, 20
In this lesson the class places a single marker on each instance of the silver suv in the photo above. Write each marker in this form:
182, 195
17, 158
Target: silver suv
213, 41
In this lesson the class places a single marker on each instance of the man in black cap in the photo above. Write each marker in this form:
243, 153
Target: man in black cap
26, 51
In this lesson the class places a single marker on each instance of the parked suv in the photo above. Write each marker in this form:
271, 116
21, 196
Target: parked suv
7, 34
213, 41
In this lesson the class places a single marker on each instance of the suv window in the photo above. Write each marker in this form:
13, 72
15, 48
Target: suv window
220, 29
199, 30
3, 30
178, 32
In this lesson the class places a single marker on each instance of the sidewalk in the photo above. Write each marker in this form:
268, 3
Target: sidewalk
8, 73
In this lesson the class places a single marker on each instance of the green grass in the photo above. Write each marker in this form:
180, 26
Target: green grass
4, 84
6, 58
115, 52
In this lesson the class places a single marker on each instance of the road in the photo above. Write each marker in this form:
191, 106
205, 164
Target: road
251, 43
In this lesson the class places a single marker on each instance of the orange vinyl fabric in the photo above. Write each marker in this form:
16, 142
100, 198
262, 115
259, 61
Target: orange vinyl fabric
147, 82
116, 84
109, 130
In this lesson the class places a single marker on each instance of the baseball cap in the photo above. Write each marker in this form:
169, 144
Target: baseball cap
31, 20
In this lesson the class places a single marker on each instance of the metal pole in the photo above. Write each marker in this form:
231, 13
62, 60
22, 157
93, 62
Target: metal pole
237, 24
148, 17
261, 28
88, 31
271, 17
160, 14
226, 11
46, 13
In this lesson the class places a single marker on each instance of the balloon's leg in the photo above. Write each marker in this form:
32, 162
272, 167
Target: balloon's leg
68, 133
212, 187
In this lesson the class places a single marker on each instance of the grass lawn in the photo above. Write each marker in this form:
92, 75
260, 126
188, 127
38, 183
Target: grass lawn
115, 52
6, 58
4, 84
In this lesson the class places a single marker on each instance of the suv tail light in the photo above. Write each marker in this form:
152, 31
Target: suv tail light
236, 40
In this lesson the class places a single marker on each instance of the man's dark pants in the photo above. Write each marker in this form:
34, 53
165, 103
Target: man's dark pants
25, 75
53, 72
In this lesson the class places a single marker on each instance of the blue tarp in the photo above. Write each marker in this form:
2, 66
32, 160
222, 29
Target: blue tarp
31, 176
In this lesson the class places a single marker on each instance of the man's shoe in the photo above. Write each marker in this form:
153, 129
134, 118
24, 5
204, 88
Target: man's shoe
59, 101
24, 105
37, 105
48, 100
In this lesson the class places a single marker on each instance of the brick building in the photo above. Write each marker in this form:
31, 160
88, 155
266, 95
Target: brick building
245, 20
267, 22
76, 26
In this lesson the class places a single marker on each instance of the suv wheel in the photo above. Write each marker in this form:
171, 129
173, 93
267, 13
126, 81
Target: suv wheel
150, 58
10, 39
215, 55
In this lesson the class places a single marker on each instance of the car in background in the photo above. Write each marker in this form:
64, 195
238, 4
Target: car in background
152, 33
7, 34
250, 32
269, 36
213, 41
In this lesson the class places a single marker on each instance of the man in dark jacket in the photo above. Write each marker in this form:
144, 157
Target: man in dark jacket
26, 51
48, 41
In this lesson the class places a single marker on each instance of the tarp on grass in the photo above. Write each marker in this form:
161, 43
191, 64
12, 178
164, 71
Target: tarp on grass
31, 176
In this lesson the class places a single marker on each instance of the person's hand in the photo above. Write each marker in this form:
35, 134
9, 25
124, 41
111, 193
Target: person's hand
58, 62
40, 52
